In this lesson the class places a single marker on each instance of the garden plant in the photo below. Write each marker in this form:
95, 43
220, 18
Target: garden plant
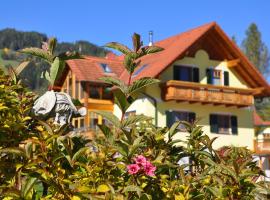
129, 158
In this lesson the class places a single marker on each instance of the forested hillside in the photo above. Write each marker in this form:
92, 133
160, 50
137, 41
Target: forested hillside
15, 40
12, 40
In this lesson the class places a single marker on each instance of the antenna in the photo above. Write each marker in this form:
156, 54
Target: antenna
150, 38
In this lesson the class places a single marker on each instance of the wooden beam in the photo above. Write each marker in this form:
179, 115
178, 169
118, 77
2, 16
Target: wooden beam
233, 63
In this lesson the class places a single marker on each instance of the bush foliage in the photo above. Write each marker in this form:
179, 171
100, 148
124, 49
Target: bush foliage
130, 159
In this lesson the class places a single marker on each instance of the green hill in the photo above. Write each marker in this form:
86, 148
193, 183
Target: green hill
12, 40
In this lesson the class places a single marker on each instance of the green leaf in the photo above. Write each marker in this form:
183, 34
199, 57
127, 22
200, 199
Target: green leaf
52, 44
110, 117
28, 186
21, 67
122, 148
70, 55
204, 153
173, 130
136, 40
116, 82
119, 47
40, 53
133, 188
103, 188
79, 153
107, 132
13, 150
121, 100
56, 70
85, 189
149, 50
141, 83
132, 120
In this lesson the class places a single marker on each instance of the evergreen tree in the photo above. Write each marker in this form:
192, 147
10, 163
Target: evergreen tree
256, 50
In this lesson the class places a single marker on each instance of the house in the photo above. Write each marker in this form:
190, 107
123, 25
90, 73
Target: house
203, 75
81, 81
262, 143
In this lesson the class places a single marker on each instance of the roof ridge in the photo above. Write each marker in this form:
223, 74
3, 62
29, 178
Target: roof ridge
210, 24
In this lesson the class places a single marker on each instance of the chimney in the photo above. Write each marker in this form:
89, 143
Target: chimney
150, 38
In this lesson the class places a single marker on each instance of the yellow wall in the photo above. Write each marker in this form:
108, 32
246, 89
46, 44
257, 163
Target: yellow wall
202, 61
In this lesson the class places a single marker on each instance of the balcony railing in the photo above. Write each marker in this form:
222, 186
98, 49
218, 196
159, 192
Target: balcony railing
206, 94
262, 144
99, 104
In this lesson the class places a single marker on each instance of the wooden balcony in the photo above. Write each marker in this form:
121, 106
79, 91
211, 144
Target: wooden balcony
206, 94
99, 104
262, 145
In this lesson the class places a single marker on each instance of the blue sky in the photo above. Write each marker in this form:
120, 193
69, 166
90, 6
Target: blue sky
115, 20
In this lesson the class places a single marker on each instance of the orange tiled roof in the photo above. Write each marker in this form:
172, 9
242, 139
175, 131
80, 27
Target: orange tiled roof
89, 69
173, 48
258, 121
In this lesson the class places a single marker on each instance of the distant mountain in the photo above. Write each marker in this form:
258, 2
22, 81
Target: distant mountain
15, 40
12, 40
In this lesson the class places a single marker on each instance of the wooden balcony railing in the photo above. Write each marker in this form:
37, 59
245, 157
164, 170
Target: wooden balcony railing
262, 145
206, 94
99, 104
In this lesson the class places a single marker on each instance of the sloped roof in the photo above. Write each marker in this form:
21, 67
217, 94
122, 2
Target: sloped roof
258, 121
173, 48
177, 46
90, 69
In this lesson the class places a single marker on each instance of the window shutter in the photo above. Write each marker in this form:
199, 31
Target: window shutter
195, 74
191, 117
234, 125
169, 118
226, 78
176, 73
213, 123
209, 74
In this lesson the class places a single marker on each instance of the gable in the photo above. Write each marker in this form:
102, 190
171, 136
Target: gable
202, 61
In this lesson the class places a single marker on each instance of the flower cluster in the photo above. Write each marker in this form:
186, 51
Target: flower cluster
141, 165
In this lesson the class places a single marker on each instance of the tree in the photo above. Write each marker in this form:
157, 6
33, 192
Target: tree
256, 50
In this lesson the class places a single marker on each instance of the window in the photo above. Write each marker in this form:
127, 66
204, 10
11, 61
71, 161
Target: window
106, 68
94, 92
77, 85
107, 93
223, 124
174, 116
82, 122
93, 120
186, 73
214, 77
82, 89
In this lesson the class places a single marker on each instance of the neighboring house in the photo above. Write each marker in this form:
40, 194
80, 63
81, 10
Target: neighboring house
203, 75
262, 143
81, 80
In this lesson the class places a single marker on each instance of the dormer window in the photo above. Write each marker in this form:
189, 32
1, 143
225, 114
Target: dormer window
106, 68
136, 73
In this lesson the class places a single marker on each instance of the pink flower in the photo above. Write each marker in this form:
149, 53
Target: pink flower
133, 168
140, 160
149, 169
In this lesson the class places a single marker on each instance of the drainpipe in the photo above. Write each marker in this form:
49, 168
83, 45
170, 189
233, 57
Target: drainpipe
155, 105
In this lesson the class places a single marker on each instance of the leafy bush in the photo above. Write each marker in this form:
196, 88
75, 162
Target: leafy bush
130, 159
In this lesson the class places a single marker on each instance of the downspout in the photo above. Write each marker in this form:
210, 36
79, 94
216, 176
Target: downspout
155, 105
